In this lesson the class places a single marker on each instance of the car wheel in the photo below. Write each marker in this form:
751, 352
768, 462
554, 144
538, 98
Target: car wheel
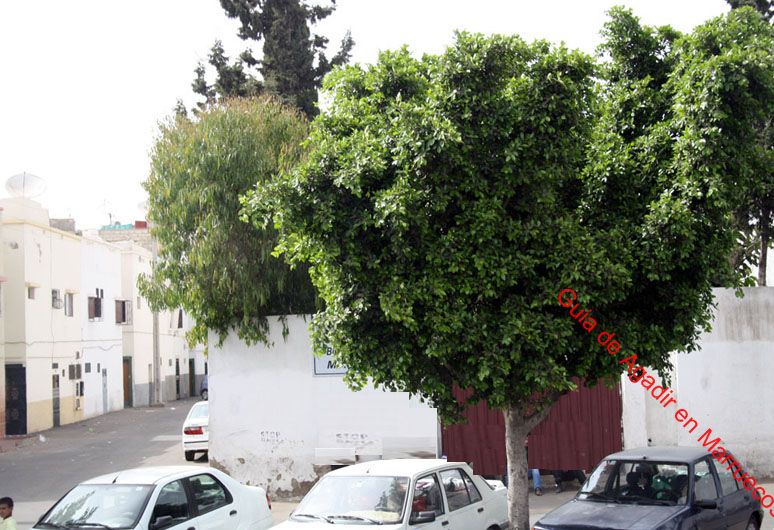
189, 456
752, 524
205, 394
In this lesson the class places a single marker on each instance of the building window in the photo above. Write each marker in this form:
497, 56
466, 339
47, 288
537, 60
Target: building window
138, 302
95, 308
68, 304
30, 292
180, 319
56, 299
123, 312
88, 368
74, 371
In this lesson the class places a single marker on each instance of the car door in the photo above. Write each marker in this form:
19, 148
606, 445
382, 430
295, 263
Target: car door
466, 508
705, 489
172, 509
737, 502
213, 503
427, 497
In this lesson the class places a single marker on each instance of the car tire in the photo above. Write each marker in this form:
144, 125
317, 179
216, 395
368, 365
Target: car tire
752, 524
205, 394
189, 456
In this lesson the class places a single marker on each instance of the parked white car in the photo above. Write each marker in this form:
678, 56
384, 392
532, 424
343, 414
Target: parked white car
165, 497
196, 433
403, 494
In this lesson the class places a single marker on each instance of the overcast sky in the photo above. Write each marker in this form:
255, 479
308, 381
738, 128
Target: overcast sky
85, 82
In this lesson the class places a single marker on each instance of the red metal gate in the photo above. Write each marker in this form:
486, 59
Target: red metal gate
582, 428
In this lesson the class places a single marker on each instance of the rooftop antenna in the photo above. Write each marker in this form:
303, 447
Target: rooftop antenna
25, 185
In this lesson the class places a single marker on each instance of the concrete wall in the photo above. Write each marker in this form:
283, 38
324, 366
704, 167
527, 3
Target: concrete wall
725, 387
275, 423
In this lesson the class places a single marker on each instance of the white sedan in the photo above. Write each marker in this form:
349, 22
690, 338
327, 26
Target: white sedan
403, 494
165, 497
196, 434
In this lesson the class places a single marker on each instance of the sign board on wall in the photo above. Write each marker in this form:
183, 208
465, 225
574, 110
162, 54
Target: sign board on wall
325, 365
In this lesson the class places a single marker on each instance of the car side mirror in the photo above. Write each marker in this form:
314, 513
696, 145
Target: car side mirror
706, 505
421, 517
161, 522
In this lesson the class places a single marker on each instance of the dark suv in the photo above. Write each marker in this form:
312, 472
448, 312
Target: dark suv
658, 488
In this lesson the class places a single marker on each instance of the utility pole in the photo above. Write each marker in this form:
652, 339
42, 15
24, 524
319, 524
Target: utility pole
156, 352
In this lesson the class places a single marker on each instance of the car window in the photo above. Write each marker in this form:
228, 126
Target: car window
475, 496
172, 502
427, 496
456, 491
199, 411
638, 481
208, 493
704, 484
728, 483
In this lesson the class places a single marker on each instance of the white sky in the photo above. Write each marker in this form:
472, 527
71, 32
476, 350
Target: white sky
85, 82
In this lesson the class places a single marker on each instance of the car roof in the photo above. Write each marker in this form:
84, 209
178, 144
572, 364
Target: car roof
146, 475
403, 467
665, 453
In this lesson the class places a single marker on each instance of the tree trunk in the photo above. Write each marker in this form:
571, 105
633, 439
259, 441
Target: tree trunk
764, 248
518, 482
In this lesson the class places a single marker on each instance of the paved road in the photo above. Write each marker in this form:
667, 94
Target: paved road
45, 467
40, 472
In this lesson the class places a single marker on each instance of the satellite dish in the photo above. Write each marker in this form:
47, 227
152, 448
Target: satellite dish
25, 185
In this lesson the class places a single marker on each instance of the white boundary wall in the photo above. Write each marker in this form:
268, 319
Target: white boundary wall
274, 423
727, 386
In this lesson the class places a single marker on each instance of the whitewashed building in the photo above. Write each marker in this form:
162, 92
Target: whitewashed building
78, 339
280, 417
102, 318
42, 319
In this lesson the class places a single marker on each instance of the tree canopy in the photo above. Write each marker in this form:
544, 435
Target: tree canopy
755, 216
218, 268
447, 200
293, 61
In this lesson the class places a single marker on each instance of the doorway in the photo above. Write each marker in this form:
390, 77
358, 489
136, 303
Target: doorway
55, 399
15, 399
128, 386
192, 378
177, 378
104, 391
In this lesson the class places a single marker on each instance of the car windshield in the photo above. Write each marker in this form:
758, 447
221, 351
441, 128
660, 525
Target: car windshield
638, 482
199, 411
363, 500
111, 505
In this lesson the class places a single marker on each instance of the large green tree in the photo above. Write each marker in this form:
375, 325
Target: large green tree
755, 217
293, 61
217, 267
448, 199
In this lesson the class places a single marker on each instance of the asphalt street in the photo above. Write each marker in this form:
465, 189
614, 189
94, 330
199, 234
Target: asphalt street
45, 466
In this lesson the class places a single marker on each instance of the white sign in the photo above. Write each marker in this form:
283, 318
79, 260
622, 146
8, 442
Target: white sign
325, 365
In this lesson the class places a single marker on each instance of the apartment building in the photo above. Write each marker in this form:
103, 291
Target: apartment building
77, 339
179, 368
